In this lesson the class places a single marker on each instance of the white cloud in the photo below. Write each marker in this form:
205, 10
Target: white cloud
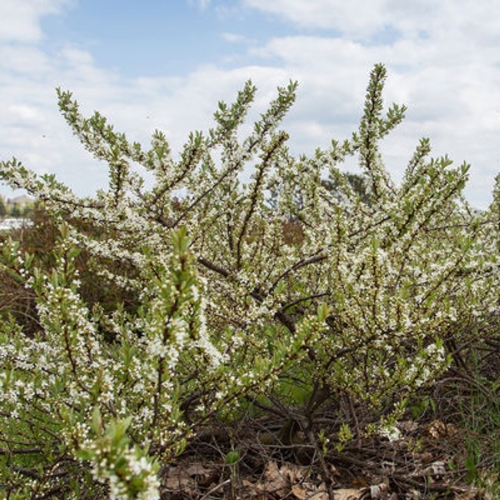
202, 4
362, 19
25, 113
20, 19
233, 37
356, 18
22, 61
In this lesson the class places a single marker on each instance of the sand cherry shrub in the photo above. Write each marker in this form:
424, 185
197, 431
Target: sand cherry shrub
359, 293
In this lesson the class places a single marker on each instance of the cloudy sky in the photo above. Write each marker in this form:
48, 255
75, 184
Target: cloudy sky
165, 64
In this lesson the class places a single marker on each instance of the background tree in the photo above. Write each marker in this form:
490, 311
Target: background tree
3, 210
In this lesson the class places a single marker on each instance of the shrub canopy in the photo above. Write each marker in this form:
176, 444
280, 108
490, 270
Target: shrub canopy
355, 288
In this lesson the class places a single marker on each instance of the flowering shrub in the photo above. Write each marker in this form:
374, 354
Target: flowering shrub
364, 300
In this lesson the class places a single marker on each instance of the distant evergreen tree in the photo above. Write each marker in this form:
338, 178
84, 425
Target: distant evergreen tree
355, 181
3, 209
15, 211
28, 209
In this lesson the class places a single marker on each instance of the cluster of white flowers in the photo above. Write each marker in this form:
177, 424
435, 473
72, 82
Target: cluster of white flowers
392, 433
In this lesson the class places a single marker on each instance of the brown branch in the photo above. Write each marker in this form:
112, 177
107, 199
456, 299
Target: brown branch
298, 265
20, 451
26, 472
213, 267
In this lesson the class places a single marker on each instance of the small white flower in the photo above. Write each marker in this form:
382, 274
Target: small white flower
392, 433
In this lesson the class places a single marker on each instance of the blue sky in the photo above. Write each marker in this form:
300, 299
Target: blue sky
165, 64
153, 38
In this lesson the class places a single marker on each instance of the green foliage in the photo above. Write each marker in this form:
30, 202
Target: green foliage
421, 406
353, 288
128, 471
